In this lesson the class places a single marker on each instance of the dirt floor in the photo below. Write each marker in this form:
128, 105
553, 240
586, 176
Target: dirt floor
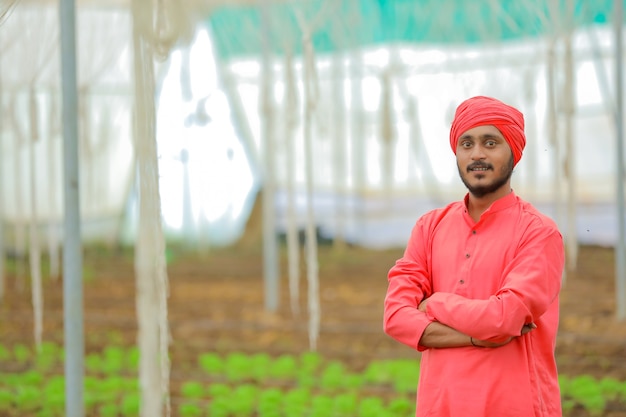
217, 304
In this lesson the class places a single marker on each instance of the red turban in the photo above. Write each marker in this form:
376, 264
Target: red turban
480, 111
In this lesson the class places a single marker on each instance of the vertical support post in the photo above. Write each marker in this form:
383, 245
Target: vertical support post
270, 241
72, 257
310, 102
569, 134
620, 247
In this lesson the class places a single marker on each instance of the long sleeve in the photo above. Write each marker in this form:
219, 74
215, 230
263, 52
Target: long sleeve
485, 279
409, 284
531, 282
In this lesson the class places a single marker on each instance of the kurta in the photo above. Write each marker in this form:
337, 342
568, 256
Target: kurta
485, 279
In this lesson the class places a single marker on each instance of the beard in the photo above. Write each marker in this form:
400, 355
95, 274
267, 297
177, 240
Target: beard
482, 190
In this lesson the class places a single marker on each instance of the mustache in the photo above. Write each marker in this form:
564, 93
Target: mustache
475, 165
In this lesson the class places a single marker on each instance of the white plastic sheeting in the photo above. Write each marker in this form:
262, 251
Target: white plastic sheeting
427, 83
30, 67
207, 185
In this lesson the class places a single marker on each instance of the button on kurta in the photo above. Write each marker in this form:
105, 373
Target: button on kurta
467, 255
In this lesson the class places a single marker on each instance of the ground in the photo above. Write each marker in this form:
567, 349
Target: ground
216, 303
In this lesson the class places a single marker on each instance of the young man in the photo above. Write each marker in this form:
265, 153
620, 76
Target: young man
476, 290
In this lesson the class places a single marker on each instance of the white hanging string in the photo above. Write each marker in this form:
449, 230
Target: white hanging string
54, 130
18, 177
35, 246
293, 244
150, 264
311, 94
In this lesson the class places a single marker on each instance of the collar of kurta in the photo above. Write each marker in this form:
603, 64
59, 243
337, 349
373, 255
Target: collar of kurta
498, 205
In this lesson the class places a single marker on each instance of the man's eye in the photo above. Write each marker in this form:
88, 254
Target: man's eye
490, 143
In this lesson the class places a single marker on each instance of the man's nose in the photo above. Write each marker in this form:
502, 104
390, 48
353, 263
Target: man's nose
477, 153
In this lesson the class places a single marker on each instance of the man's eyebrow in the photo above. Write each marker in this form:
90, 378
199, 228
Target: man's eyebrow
483, 136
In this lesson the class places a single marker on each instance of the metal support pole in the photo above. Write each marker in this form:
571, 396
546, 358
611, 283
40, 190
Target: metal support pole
620, 247
72, 257
271, 266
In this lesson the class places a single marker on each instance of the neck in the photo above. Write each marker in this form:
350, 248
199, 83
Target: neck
476, 206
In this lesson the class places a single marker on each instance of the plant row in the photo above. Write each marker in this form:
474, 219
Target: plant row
242, 385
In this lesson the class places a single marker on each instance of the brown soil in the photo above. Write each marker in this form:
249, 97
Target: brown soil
216, 303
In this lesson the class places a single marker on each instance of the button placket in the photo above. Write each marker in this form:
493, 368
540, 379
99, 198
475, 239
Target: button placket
470, 246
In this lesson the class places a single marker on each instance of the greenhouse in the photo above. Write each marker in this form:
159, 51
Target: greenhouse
192, 177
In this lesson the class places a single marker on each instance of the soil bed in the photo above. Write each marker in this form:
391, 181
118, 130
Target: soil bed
216, 304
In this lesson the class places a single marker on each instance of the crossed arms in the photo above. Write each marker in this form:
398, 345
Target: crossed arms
422, 318
437, 335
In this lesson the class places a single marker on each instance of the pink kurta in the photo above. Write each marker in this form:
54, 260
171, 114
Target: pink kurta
484, 279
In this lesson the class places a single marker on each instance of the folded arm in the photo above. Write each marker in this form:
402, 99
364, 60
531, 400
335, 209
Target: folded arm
531, 283
409, 285
437, 335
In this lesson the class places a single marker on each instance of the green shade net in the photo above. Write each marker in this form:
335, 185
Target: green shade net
347, 24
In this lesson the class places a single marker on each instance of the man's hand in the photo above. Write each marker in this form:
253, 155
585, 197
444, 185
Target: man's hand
484, 343
527, 328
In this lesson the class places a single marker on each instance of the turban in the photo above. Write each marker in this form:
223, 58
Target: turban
481, 111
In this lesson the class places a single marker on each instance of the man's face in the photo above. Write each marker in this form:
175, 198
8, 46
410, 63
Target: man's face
484, 159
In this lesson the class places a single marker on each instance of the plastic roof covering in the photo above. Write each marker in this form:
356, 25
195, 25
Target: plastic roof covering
346, 24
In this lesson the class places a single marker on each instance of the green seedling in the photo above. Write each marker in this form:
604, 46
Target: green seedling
54, 388
21, 353
132, 358
378, 372
54, 402
321, 406
284, 367
310, 361
27, 399
31, 378
585, 390
219, 407
260, 367
211, 363
114, 359
238, 367
333, 377
93, 363
270, 403
404, 375
47, 357
130, 405
611, 388
6, 399
244, 399
306, 379
371, 407
192, 389
345, 405
48, 412
189, 410
296, 402
219, 391
400, 407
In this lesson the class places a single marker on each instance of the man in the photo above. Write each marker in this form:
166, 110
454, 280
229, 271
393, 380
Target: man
476, 290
